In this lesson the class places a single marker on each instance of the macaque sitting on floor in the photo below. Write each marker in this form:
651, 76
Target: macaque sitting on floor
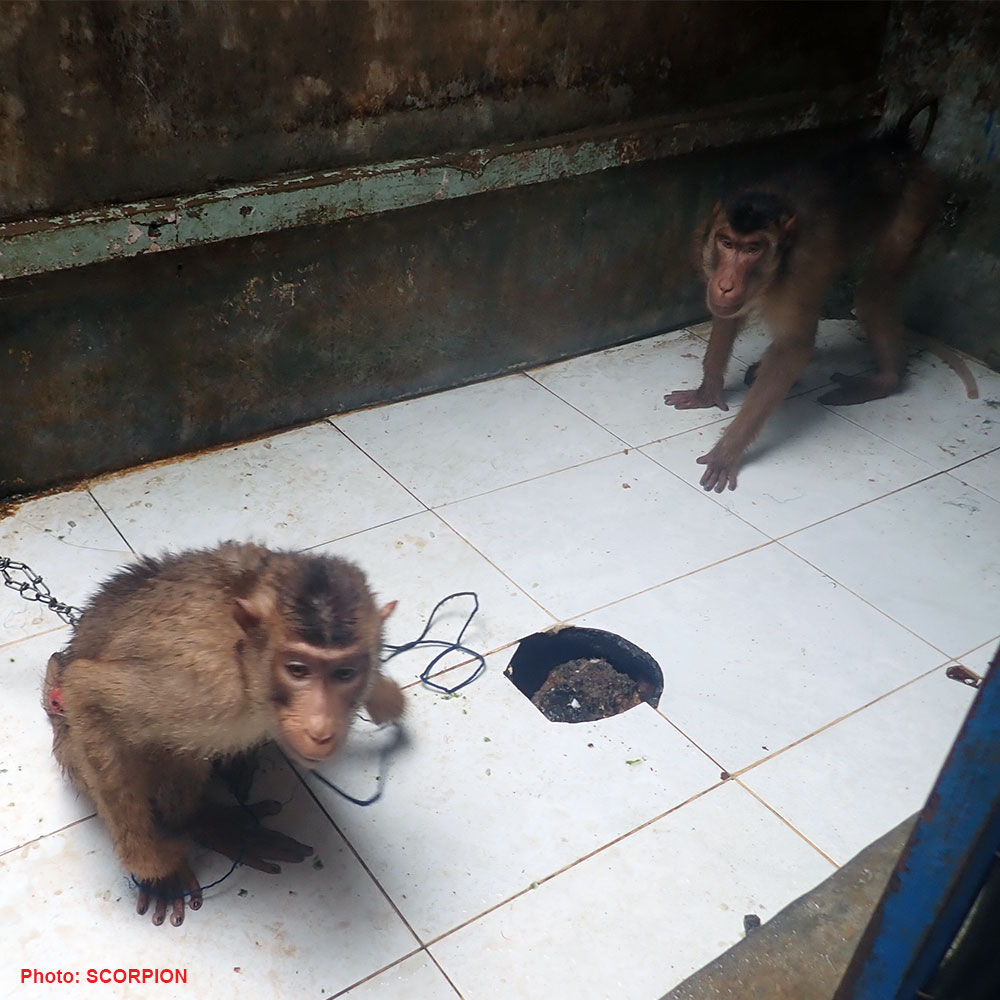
193, 659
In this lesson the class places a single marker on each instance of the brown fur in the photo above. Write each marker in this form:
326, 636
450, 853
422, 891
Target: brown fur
201, 656
775, 249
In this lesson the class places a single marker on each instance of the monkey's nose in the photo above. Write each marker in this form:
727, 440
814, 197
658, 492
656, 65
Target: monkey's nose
317, 751
322, 741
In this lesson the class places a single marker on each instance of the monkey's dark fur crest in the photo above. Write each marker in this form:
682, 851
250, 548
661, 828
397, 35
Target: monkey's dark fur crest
750, 211
324, 599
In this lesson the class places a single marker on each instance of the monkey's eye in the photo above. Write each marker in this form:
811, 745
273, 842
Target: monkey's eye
726, 244
345, 674
297, 670
754, 248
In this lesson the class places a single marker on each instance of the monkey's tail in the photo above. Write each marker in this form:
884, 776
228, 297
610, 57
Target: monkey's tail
902, 129
952, 359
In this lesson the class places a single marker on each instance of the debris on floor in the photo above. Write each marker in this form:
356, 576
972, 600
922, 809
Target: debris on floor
585, 690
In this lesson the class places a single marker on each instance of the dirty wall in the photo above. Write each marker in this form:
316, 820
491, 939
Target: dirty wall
105, 104
953, 51
115, 101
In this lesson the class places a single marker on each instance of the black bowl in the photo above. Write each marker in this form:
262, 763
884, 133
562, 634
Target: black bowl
538, 654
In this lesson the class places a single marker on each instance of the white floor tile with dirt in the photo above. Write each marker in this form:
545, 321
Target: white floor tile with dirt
803, 623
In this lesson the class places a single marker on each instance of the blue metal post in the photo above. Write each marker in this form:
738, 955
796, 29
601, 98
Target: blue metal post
942, 867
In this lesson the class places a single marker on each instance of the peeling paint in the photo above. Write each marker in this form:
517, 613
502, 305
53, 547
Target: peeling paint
35, 246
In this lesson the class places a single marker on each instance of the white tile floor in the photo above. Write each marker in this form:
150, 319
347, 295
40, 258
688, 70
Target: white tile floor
803, 624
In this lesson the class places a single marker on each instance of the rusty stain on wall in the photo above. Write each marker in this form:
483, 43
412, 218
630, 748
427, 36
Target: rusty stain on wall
32, 246
115, 101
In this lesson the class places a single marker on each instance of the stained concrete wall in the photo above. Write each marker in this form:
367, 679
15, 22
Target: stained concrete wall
167, 353
116, 101
115, 363
953, 51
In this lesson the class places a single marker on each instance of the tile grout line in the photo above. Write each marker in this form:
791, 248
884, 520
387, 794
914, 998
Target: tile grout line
495, 489
575, 408
790, 826
892, 492
377, 464
361, 531
604, 427
534, 479
665, 583
740, 772
399, 961
34, 635
502, 572
874, 607
724, 774
111, 521
357, 856
573, 864
717, 498
50, 833
836, 411
557, 620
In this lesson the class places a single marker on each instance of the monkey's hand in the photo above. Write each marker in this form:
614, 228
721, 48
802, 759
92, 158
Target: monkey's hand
697, 399
172, 890
386, 702
235, 832
720, 472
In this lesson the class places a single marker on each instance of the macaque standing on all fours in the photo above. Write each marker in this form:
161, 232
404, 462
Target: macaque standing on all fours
775, 248
190, 660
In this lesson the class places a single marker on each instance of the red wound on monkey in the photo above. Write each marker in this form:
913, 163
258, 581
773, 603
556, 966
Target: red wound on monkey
55, 705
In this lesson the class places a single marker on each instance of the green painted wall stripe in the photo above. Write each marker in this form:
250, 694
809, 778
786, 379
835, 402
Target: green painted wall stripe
35, 246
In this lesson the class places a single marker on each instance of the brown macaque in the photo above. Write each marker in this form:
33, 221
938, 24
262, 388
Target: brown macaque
776, 247
187, 661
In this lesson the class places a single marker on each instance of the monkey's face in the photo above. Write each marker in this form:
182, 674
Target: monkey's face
738, 267
315, 693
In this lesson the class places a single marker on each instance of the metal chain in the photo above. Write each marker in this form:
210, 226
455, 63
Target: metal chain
34, 588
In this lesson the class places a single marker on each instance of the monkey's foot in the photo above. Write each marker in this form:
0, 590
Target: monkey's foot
852, 389
720, 471
235, 832
171, 889
696, 399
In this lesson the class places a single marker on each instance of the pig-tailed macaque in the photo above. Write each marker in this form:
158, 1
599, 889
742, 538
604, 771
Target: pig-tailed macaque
775, 248
189, 660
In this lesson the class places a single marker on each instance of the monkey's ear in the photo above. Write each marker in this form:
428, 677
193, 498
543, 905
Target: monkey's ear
387, 610
788, 225
247, 614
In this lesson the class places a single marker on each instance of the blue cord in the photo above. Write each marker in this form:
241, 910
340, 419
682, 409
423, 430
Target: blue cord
420, 642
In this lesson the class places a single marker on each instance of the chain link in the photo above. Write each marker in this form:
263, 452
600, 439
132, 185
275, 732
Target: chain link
34, 588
